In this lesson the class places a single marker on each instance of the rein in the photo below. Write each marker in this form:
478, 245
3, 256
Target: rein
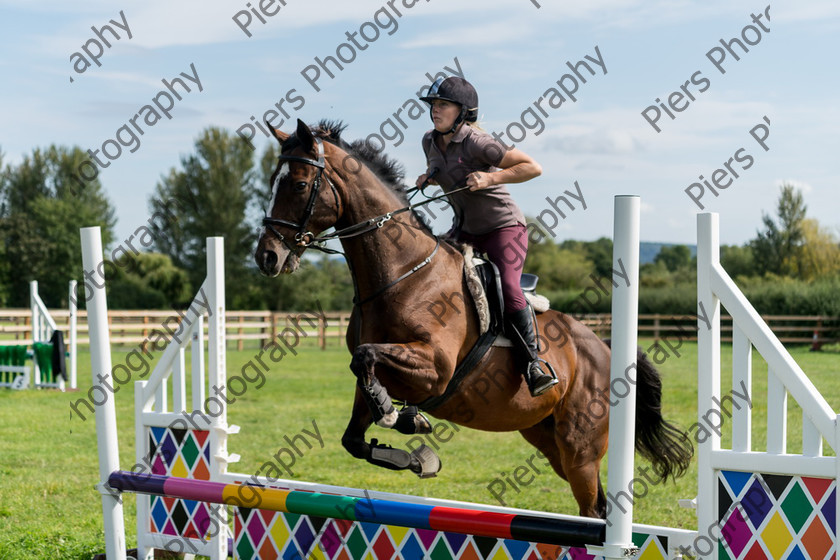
306, 239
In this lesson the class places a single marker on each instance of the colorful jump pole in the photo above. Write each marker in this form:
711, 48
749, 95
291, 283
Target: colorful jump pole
386, 512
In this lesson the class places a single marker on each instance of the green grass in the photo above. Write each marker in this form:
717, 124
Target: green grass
48, 461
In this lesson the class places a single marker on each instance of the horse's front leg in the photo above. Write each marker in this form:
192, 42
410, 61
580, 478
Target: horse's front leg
372, 403
409, 366
353, 439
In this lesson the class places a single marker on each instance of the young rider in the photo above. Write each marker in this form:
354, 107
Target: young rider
486, 216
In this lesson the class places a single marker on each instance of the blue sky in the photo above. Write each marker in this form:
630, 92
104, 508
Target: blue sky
512, 51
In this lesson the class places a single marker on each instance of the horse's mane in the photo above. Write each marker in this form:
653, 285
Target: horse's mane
390, 171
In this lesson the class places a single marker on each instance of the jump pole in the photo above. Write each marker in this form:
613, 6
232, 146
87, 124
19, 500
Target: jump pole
625, 324
106, 417
523, 527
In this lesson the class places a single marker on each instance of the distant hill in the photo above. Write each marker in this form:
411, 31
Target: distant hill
649, 250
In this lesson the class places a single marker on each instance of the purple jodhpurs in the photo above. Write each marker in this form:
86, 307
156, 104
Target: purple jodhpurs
507, 248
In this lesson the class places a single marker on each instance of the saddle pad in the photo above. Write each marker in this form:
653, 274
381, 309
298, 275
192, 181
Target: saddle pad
539, 303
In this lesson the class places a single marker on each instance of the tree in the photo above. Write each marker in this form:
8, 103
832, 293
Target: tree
41, 210
599, 252
738, 261
674, 257
776, 248
819, 256
558, 268
213, 192
4, 261
147, 281
268, 163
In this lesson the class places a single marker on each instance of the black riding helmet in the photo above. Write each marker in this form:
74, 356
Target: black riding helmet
456, 90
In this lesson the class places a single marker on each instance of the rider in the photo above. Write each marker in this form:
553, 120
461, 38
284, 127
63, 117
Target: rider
486, 215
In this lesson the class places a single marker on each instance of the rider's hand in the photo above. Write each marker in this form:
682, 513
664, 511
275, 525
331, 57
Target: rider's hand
423, 178
479, 180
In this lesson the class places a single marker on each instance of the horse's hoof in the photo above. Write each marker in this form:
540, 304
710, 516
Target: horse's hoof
386, 456
412, 421
424, 462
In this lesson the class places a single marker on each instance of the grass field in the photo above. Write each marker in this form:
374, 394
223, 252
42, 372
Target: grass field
48, 461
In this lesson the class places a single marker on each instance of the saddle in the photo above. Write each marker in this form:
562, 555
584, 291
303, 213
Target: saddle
485, 285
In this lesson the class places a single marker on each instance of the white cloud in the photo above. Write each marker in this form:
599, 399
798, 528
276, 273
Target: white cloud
813, 10
496, 33
123, 77
598, 141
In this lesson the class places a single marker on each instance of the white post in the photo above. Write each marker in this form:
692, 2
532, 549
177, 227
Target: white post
708, 366
106, 419
197, 368
33, 307
836, 470
217, 374
71, 327
625, 321
36, 331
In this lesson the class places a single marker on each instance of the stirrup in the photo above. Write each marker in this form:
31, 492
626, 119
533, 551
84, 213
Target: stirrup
537, 391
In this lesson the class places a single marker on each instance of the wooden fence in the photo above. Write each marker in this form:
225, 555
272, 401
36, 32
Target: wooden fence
257, 328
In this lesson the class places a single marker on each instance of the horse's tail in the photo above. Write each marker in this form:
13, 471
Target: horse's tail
668, 448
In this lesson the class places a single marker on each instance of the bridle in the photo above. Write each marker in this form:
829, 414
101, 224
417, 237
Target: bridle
304, 238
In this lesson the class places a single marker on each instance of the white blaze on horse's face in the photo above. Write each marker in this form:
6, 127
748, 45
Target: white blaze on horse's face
273, 256
282, 175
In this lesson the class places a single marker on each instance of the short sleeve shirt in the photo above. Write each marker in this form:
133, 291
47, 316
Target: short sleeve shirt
470, 150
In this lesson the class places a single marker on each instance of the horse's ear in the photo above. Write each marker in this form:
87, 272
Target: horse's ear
305, 136
277, 133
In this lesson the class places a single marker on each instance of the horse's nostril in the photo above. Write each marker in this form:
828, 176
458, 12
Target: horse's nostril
269, 260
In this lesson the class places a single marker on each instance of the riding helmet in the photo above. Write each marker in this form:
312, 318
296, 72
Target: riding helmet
457, 90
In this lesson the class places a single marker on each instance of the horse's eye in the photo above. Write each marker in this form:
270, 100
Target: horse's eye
300, 186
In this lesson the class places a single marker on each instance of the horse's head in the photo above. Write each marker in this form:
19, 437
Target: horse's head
304, 202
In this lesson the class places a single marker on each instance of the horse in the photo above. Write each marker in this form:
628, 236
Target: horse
413, 322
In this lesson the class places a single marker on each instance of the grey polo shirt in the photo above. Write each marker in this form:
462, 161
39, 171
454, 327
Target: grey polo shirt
470, 150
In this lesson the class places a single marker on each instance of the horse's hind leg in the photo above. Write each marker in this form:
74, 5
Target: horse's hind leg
581, 450
580, 469
586, 487
542, 437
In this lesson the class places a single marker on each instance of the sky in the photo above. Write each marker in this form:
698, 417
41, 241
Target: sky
763, 114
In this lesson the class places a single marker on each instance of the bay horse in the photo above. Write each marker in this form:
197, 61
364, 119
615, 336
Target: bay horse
413, 321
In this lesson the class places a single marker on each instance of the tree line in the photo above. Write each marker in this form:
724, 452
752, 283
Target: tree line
791, 266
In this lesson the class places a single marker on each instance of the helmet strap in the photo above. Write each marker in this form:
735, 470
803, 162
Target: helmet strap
458, 120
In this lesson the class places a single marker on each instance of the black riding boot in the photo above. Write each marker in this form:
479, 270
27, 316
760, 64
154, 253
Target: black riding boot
521, 332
